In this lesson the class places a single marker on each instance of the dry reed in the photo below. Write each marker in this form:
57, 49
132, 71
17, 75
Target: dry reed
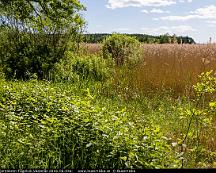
169, 66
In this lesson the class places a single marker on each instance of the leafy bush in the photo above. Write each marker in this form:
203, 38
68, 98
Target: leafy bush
121, 48
24, 54
45, 126
37, 35
207, 83
74, 68
200, 126
22, 57
2, 75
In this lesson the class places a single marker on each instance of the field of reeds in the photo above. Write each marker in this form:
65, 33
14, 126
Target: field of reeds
168, 66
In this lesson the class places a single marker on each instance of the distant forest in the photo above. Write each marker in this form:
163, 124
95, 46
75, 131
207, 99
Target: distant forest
144, 38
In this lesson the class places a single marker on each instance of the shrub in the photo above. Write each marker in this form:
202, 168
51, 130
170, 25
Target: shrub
74, 68
37, 39
200, 126
22, 56
121, 48
2, 75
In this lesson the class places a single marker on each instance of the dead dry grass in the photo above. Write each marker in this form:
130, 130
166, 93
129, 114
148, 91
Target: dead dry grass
172, 66
90, 48
175, 66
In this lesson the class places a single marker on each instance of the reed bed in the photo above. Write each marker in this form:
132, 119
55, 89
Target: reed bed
175, 66
90, 48
169, 66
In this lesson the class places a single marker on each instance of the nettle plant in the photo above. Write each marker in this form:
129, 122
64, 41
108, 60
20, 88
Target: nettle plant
121, 48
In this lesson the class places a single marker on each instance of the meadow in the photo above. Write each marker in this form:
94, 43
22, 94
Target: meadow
156, 112
120, 104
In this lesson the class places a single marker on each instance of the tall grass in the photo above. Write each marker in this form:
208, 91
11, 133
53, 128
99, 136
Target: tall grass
168, 66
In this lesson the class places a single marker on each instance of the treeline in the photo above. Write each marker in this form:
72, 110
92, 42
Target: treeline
144, 38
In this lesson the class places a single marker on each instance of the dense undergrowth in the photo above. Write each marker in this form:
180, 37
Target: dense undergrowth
77, 125
45, 126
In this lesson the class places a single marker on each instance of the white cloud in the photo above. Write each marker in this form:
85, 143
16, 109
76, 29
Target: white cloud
208, 12
159, 11
183, 1
211, 22
155, 10
145, 11
113, 4
181, 18
183, 28
180, 29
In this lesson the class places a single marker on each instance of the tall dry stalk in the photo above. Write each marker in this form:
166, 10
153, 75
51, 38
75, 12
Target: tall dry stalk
170, 66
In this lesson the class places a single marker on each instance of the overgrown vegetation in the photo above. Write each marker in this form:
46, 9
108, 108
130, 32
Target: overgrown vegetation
122, 49
61, 108
36, 35
86, 125
77, 68
46, 126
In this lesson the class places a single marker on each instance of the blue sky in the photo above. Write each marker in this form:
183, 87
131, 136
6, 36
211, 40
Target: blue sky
195, 18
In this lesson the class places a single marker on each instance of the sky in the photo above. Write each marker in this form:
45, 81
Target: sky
194, 18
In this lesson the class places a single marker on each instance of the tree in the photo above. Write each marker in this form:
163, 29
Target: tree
165, 38
121, 48
38, 33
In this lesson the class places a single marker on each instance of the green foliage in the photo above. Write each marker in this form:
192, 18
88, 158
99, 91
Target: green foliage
27, 56
2, 75
47, 126
75, 68
121, 48
207, 84
37, 34
200, 121
48, 16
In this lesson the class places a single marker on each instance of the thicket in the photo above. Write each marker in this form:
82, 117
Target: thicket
36, 35
53, 126
77, 68
122, 49
196, 151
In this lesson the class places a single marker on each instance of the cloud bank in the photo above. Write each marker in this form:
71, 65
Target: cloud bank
113, 4
207, 12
